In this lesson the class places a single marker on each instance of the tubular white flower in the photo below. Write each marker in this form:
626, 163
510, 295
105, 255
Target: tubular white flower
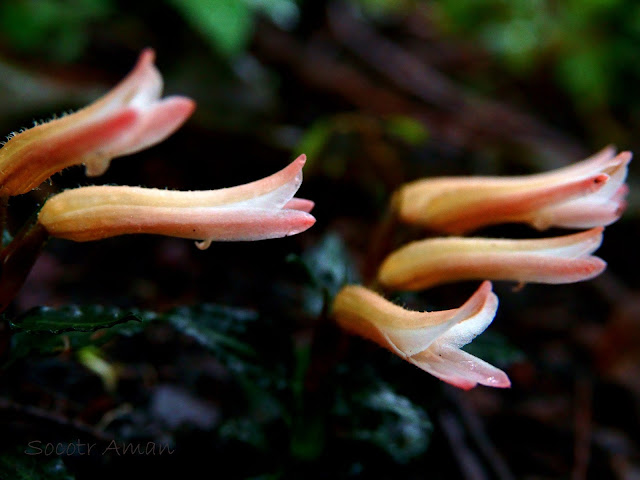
429, 340
255, 211
130, 118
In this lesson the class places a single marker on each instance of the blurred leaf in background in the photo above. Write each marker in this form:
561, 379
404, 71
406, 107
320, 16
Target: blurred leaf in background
227, 25
587, 44
53, 28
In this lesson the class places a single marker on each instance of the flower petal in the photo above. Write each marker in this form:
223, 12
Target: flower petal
404, 332
300, 204
154, 125
460, 369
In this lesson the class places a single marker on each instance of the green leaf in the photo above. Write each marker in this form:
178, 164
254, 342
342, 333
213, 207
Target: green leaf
407, 129
226, 24
331, 264
214, 327
72, 318
328, 266
314, 140
247, 344
59, 29
379, 416
44, 341
19, 466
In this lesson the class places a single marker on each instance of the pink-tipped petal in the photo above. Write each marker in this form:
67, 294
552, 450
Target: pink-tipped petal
581, 215
155, 123
460, 368
301, 204
142, 85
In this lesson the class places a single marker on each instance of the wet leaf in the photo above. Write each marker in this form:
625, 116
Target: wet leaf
379, 416
73, 318
64, 329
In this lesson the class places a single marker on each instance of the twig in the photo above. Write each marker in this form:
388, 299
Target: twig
475, 113
45, 421
582, 445
470, 466
480, 437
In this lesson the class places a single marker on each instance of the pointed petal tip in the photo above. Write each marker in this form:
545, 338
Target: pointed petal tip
301, 204
302, 158
183, 105
625, 157
147, 55
501, 380
622, 206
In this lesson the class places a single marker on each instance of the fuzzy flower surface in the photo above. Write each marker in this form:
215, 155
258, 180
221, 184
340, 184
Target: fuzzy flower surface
258, 210
586, 194
431, 341
129, 118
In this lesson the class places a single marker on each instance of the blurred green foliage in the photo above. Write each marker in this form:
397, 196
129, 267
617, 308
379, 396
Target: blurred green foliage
227, 25
55, 28
590, 46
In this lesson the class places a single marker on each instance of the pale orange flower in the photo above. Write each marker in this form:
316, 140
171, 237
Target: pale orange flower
429, 340
434, 261
587, 194
130, 118
254, 211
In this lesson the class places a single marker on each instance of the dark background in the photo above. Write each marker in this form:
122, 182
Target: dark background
376, 93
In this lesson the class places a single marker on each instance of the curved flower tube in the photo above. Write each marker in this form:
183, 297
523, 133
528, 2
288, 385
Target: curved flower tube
130, 118
434, 261
429, 340
254, 211
587, 194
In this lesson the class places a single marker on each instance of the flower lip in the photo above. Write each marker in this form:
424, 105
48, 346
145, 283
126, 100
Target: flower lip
127, 119
254, 211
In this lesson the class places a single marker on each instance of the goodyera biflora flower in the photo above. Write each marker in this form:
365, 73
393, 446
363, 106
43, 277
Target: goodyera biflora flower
587, 194
130, 118
254, 211
434, 261
429, 340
